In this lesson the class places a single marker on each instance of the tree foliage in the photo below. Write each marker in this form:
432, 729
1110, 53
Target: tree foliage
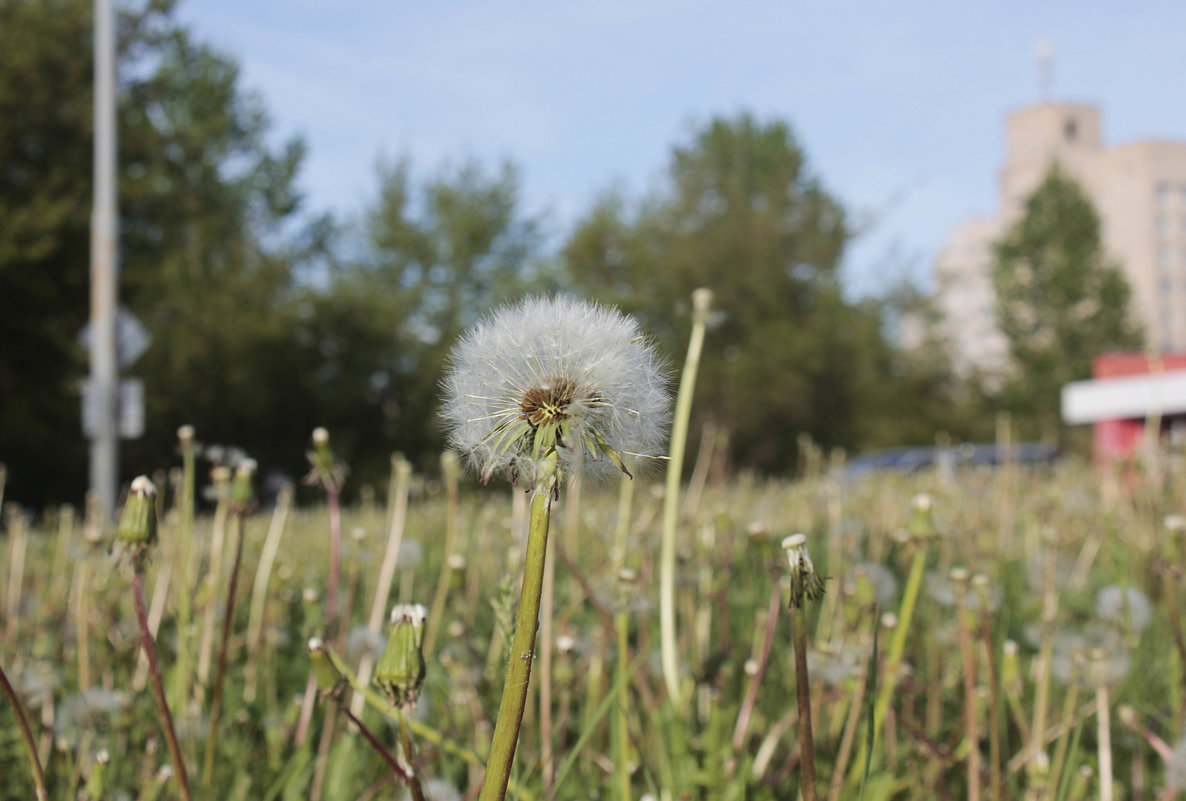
1060, 300
209, 240
439, 253
787, 353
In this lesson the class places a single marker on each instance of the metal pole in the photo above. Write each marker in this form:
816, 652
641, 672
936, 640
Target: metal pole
104, 383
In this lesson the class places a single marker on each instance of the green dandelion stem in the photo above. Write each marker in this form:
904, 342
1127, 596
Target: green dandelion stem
514, 691
27, 735
803, 699
223, 647
679, 440
158, 690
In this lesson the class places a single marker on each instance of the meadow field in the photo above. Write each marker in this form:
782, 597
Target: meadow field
991, 634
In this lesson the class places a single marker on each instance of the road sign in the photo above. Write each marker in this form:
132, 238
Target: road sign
131, 409
131, 337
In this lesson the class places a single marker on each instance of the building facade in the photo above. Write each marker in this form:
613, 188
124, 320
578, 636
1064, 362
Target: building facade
1139, 191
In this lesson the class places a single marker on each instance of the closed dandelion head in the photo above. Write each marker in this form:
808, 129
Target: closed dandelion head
554, 378
806, 584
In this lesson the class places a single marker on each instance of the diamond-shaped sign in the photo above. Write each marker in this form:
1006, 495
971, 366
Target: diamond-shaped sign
131, 337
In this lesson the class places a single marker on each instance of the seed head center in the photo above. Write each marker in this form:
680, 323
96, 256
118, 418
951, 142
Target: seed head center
548, 401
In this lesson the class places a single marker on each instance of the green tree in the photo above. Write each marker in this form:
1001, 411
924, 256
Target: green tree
741, 213
1060, 300
440, 253
45, 200
210, 236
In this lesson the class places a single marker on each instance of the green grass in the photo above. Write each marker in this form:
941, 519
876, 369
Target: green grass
69, 619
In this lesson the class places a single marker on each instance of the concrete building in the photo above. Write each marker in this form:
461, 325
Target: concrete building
1139, 190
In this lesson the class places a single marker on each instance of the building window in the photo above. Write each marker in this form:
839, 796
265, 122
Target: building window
1162, 192
1167, 285
1163, 256
1070, 129
1163, 225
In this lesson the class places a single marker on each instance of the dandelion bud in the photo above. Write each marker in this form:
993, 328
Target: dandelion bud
242, 492
1010, 667
329, 679
96, 783
922, 518
400, 671
701, 304
220, 476
185, 435
806, 584
325, 469
138, 523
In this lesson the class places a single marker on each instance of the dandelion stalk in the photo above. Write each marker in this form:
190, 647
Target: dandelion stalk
241, 500
805, 585
980, 582
185, 437
751, 693
332, 681
626, 577
922, 528
539, 392
137, 531
330, 474
451, 472
22, 722
701, 301
514, 691
259, 592
959, 581
221, 476
18, 536
1103, 723
397, 501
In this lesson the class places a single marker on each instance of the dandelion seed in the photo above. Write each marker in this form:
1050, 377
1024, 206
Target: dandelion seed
880, 578
1127, 606
554, 375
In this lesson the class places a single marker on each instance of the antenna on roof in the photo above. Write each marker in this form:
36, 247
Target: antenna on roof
1045, 55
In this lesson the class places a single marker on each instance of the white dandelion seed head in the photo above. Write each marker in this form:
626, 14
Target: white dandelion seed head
584, 368
882, 579
415, 614
1126, 606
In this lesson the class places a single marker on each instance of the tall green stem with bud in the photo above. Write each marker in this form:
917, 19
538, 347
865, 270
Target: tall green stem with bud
805, 585
138, 533
701, 301
514, 691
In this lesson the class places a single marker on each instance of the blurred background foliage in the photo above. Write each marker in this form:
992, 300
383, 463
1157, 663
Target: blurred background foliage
269, 318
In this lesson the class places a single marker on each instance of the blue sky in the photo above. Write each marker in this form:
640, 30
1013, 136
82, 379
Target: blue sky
898, 105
